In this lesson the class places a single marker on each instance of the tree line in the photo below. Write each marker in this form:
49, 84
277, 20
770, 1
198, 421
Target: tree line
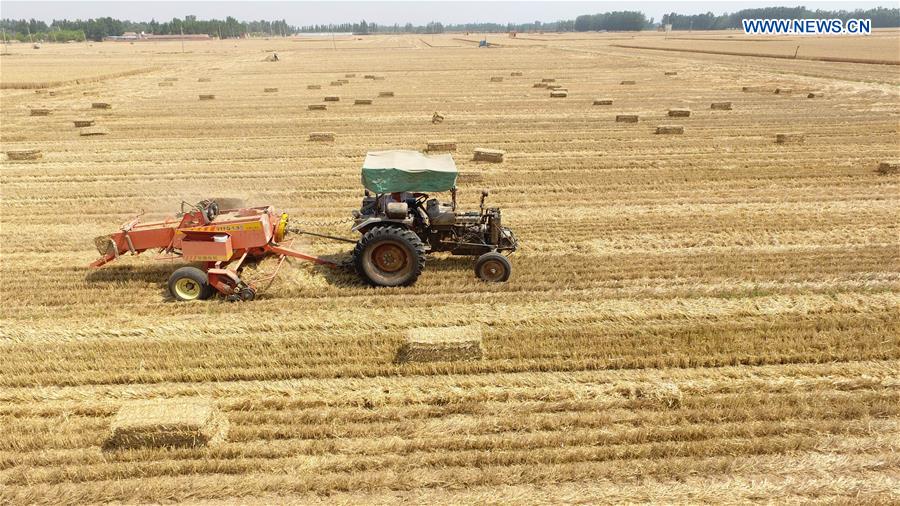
95, 29
881, 17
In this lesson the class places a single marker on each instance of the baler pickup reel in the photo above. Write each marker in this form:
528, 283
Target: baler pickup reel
222, 240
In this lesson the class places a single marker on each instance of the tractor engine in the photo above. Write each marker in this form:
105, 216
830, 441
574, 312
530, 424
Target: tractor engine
466, 233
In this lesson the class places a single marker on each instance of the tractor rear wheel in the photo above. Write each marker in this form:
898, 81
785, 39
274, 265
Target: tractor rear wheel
493, 267
389, 256
190, 283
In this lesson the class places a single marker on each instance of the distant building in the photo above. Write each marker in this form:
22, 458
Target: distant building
134, 36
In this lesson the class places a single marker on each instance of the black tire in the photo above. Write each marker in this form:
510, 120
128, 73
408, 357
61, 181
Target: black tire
493, 267
190, 283
212, 210
389, 256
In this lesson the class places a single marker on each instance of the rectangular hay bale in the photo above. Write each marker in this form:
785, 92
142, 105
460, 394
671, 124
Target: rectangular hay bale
548, 80
720, 106
270, 90
440, 344
332, 98
207, 97
469, 177
496, 79
101, 105
670, 129
626, 118
166, 423
316, 107
40, 112
559, 94
679, 113
488, 155
24, 154
378, 78
783, 91
362, 101
80, 123
603, 101
628, 82
313, 86
790, 138
539, 85
385, 93
321, 136
336, 83
889, 167
92, 131
349, 76
515, 74
815, 94
204, 80
441, 145
670, 73
369, 76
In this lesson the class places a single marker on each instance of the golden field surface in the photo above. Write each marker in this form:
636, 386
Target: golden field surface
701, 317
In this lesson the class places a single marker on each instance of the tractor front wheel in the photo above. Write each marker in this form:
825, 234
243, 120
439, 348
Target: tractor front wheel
389, 256
493, 267
189, 283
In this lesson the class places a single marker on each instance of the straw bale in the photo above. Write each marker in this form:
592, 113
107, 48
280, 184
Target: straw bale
40, 112
889, 167
321, 136
24, 154
790, 138
626, 118
385, 93
332, 98
442, 145
679, 113
101, 105
166, 423
80, 123
432, 344
603, 101
92, 131
670, 129
317, 107
720, 106
488, 155
559, 94
207, 97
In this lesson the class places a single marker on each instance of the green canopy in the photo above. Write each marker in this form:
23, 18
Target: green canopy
408, 171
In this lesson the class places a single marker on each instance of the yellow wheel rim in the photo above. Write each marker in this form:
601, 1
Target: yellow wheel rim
281, 228
187, 289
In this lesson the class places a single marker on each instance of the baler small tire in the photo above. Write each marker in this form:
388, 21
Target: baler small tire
190, 283
212, 210
493, 267
402, 256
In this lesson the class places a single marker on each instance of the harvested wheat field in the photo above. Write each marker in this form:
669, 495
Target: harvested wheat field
710, 316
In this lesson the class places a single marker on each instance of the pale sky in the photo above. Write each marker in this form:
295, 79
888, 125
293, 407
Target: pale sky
308, 13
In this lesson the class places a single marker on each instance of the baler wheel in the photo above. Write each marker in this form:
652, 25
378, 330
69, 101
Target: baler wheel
189, 283
389, 256
493, 267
